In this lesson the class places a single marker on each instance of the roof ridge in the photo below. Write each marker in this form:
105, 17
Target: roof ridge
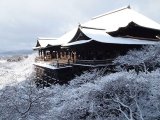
91, 28
46, 38
114, 11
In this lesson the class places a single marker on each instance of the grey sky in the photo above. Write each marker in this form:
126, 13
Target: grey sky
22, 21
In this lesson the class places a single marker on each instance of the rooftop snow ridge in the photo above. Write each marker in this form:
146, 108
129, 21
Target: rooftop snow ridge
46, 38
91, 28
117, 10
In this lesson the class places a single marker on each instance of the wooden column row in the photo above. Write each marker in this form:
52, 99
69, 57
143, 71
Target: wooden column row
66, 55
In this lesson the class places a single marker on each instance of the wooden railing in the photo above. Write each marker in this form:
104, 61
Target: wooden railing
42, 58
66, 62
94, 62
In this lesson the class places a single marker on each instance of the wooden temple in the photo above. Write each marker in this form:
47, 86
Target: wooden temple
96, 43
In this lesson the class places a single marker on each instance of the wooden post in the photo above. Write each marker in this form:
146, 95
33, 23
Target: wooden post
44, 55
39, 53
61, 56
57, 63
75, 57
56, 55
65, 55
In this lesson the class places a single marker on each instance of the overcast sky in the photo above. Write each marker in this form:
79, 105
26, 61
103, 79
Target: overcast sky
22, 21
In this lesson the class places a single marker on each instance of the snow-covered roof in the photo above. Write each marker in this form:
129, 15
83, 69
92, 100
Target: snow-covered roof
101, 24
77, 42
97, 27
103, 37
67, 37
43, 42
113, 20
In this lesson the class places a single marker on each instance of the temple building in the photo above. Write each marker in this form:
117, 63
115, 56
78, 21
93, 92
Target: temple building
101, 39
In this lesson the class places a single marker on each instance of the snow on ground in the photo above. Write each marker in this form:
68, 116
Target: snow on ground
15, 72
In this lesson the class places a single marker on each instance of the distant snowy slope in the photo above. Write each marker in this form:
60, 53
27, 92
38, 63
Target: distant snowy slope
15, 52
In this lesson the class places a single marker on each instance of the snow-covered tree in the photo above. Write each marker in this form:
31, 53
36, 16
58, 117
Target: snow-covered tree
146, 59
23, 101
120, 95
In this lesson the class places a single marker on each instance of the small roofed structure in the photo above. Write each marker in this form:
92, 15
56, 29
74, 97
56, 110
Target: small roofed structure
44, 42
42, 45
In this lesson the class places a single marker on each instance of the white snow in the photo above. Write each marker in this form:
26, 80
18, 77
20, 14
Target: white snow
45, 65
101, 36
43, 42
111, 21
77, 42
66, 38
84, 65
3, 61
120, 18
12, 73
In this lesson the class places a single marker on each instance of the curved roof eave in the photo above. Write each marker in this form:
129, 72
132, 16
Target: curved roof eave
103, 37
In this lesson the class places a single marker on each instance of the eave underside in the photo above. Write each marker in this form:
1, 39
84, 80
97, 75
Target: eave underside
133, 30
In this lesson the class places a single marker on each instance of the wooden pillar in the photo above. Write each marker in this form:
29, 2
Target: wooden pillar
61, 55
70, 55
57, 55
54, 54
57, 63
51, 55
44, 54
74, 57
39, 53
65, 55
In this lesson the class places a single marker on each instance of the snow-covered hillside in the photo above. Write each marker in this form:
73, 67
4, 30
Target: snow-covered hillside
92, 96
